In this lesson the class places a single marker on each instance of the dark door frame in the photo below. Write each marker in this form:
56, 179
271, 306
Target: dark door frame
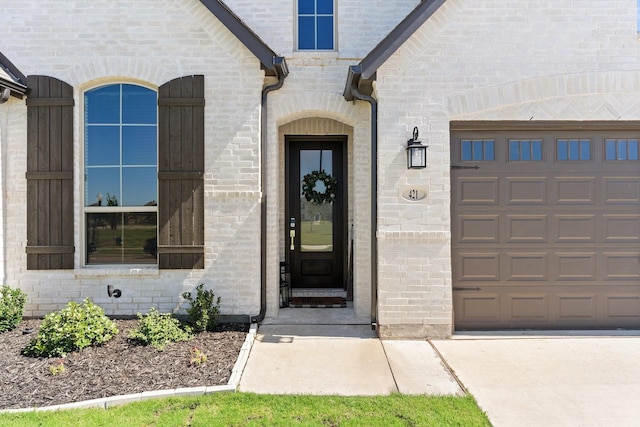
342, 192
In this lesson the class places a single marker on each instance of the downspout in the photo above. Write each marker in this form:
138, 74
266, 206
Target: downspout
282, 72
4, 95
374, 201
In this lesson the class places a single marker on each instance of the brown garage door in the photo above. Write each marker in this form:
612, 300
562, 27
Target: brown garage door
545, 225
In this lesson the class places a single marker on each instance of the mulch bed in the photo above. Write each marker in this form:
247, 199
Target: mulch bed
119, 367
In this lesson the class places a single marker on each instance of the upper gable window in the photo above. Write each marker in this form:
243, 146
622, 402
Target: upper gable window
316, 25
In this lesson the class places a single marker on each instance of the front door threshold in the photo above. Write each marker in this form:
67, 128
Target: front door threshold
318, 292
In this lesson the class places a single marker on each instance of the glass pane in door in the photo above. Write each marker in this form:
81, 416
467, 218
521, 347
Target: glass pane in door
316, 219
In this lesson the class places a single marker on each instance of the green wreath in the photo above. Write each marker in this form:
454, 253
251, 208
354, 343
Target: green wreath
309, 187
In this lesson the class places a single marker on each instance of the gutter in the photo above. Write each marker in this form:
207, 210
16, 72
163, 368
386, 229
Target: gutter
282, 72
351, 93
12, 81
10, 87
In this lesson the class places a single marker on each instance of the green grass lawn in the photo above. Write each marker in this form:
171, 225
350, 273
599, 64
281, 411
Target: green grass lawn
246, 409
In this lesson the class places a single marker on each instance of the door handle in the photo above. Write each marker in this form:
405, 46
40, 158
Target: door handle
292, 235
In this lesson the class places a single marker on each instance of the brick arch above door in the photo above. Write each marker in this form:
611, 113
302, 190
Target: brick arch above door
314, 104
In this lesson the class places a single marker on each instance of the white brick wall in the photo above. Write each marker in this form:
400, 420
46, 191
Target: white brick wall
148, 41
484, 60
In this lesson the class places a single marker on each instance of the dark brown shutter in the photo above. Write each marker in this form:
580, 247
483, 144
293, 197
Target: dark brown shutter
181, 173
50, 218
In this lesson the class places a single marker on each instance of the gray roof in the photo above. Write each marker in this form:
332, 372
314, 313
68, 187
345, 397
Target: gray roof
12, 78
273, 64
363, 74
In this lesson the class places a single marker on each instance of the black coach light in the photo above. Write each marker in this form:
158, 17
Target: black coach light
416, 152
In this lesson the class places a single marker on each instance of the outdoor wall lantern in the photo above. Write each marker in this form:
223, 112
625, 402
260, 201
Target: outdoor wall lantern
416, 152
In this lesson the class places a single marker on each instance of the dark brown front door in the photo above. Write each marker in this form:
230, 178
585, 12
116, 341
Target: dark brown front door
315, 229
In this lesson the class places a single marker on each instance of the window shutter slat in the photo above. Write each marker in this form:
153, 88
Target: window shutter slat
50, 216
181, 173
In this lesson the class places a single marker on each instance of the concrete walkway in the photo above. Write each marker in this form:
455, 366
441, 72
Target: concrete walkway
341, 360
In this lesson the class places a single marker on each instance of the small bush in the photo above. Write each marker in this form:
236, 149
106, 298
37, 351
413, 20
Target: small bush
73, 328
205, 309
158, 330
57, 368
11, 307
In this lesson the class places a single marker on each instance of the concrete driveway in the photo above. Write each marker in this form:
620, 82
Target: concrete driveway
561, 380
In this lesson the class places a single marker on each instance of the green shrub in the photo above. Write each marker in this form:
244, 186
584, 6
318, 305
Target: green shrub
204, 310
11, 307
73, 328
158, 330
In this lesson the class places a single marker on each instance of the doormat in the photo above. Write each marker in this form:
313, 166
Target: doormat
318, 302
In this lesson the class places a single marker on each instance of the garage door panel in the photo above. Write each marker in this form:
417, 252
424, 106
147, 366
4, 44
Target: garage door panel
621, 228
547, 307
478, 228
527, 266
623, 306
476, 266
526, 228
576, 266
526, 190
576, 306
528, 307
621, 190
478, 191
574, 228
575, 191
622, 266
475, 307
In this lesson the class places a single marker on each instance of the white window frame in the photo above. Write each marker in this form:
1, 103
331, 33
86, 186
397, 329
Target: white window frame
84, 209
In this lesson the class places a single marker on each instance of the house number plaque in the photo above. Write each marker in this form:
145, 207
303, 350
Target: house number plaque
413, 193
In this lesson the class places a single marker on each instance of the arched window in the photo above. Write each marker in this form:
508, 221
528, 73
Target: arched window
121, 174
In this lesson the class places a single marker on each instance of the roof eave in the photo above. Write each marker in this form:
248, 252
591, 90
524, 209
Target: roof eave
17, 91
364, 73
17, 82
398, 36
273, 64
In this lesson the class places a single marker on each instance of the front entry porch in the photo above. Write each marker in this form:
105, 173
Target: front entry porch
318, 244
317, 316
